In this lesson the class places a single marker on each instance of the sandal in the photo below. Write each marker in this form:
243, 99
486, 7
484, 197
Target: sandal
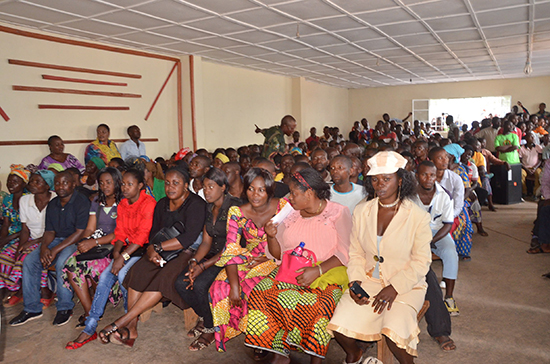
46, 302
13, 301
537, 250
104, 334
445, 343
73, 345
123, 338
198, 345
260, 354
197, 330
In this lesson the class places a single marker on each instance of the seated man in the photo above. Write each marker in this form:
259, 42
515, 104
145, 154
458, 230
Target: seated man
66, 219
433, 198
233, 172
530, 155
342, 190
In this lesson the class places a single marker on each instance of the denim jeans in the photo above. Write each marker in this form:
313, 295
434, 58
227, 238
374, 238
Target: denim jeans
32, 272
446, 250
196, 244
106, 281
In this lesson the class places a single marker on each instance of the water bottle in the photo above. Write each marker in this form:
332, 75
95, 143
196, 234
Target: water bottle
297, 252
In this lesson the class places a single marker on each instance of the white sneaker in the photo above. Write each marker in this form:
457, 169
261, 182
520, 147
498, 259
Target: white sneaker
443, 285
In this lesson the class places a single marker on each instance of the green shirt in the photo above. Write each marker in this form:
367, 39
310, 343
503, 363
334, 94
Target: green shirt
508, 139
274, 141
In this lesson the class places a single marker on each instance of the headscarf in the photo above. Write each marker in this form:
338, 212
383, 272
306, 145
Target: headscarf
297, 150
100, 164
155, 169
455, 150
182, 153
56, 167
222, 157
48, 176
20, 171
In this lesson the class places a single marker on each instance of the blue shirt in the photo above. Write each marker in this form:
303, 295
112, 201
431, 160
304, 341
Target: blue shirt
130, 149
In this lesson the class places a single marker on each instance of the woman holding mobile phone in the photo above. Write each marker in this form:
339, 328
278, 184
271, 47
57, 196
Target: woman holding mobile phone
389, 257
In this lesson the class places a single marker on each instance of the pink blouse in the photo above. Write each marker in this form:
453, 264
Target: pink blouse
327, 234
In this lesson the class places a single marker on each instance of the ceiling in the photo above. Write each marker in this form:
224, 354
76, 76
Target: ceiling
343, 43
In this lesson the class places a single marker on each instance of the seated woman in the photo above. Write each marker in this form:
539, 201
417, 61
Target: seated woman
389, 257
193, 285
90, 178
57, 155
149, 281
118, 163
100, 231
31, 217
243, 257
134, 221
102, 147
284, 316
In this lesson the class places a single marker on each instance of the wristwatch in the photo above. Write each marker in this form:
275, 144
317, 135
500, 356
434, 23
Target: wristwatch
158, 248
125, 255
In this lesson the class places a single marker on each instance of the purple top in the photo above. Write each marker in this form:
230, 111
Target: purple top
70, 162
106, 216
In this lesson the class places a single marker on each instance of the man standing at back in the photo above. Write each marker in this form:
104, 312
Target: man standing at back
275, 136
133, 147
66, 219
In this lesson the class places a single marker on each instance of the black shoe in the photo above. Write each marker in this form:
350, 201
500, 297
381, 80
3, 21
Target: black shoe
62, 317
24, 317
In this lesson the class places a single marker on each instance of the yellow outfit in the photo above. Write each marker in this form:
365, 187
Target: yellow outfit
405, 248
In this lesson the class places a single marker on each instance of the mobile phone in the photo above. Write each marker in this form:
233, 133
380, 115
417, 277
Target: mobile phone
358, 290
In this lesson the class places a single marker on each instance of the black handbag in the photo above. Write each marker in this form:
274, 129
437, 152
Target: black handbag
165, 234
97, 252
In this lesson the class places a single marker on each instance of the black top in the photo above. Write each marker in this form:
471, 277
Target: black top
192, 213
218, 229
65, 220
281, 190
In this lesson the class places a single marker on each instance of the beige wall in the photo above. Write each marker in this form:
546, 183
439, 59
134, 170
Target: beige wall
30, 123
324, 105
230, 100
397, 100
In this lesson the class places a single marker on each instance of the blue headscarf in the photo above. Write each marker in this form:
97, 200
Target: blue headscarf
48, 176
455, 150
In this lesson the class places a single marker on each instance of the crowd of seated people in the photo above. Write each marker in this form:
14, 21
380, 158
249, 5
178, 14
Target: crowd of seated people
197, 230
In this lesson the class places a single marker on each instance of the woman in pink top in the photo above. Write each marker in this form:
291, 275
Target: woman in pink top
302, 311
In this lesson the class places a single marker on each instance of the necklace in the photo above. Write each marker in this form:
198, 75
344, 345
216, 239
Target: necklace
318, 210
388, 205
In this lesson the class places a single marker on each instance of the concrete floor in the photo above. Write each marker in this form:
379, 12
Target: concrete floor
503, 301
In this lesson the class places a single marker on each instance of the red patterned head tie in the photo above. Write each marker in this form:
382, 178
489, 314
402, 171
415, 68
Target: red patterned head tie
301, 180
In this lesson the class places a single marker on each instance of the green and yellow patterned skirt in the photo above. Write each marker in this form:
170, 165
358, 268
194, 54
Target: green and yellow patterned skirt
283, 316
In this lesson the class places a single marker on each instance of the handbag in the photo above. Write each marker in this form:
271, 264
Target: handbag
97, 252
165, 234
291, 263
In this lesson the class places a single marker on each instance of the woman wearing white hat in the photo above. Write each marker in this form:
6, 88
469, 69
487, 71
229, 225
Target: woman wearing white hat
389, 258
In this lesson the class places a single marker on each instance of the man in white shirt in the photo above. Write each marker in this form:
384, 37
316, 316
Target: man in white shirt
342, 190
432, 198
133, 147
